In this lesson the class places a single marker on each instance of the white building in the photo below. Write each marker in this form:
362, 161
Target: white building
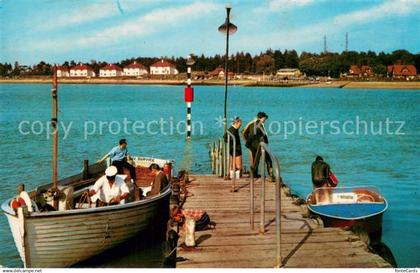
63, 72
163, 67
289, 73
135, 70
110, 70
82, 70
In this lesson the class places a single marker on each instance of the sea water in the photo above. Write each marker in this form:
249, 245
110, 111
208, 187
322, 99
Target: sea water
348, 127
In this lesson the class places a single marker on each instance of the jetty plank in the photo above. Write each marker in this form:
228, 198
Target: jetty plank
304, 242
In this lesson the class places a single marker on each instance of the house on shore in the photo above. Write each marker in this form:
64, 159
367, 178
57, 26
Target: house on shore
219, 72
63, 72
163, 67
82, 70
135, 69
110, 70
400, 71
360, 71
289, 73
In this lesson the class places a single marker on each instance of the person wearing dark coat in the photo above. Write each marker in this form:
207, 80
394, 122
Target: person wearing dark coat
320, 173
254, 133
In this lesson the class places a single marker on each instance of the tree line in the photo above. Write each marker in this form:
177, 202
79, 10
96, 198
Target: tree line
312, 64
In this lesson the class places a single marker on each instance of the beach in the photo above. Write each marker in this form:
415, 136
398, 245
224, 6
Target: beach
251, 83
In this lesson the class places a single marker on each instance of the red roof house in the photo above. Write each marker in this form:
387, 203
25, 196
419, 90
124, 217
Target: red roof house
81, 70
402, 71
110, 70
135, 69
163, 67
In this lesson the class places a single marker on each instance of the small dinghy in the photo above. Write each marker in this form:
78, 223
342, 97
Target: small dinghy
347, 206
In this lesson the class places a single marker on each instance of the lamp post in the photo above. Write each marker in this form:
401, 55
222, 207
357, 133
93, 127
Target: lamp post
189, 95
227, 28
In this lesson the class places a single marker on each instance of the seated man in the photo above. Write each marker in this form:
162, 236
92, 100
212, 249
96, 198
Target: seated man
159, 182
110, 189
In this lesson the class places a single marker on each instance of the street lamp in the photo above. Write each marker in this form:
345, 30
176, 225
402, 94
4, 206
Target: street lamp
227, 28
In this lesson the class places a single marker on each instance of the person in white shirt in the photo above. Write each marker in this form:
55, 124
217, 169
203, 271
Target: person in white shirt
110, 189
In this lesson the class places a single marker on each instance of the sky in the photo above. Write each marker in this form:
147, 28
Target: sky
55, 31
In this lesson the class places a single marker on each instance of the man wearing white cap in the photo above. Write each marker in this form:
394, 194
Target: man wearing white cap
110, 189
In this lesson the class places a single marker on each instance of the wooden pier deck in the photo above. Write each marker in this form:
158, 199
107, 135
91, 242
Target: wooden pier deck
232, 244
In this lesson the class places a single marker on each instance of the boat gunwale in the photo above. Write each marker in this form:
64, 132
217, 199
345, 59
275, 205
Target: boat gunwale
310, 207
165, 192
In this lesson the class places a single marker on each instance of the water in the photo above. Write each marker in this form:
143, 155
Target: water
390, 162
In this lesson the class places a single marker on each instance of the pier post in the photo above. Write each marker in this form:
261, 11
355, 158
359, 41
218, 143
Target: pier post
54, 121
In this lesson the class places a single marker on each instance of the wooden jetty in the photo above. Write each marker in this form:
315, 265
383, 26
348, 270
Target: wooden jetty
304, 241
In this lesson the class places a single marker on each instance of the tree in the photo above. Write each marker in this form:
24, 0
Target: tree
265, 64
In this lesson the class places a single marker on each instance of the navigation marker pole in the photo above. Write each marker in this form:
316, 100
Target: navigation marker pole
189, 95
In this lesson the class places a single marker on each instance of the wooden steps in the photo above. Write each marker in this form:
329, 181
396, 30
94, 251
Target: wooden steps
232, 244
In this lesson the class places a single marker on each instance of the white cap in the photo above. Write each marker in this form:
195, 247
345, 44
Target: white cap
111, 171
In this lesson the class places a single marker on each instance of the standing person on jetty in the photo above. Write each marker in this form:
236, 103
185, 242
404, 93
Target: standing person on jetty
236, 166
119, 157
254, 133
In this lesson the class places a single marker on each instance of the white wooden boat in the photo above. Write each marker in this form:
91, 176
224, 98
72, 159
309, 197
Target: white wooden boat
63, 238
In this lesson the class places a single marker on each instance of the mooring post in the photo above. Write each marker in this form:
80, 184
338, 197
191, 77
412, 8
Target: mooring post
54, 121
262, 192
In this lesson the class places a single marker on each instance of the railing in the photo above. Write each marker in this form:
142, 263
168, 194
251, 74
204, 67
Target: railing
220, 158
264, 150
219, 153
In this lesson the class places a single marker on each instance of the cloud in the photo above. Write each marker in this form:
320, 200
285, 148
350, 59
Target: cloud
153, 22
284, 5
288, 4
336, 24
80, 16
91, 12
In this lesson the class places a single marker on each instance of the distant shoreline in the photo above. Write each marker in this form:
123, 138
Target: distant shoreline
250, 83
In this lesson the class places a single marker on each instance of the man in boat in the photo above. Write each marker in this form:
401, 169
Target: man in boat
321, 178
159, 182
321, 173
236, 162
119, 156
253, 134
110, 189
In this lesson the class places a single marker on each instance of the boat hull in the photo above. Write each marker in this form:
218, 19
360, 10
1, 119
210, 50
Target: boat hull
64, 238
350, 207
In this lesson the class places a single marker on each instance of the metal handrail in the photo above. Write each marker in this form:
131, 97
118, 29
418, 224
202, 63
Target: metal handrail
264, 149
230, 135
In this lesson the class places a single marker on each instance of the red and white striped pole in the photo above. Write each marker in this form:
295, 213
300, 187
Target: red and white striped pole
189, 95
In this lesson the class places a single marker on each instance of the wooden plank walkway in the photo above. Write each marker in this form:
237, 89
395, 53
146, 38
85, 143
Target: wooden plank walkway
232, 244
